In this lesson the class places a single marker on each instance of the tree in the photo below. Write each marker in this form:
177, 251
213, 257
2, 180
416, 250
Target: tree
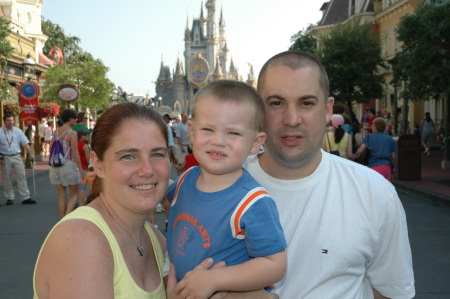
88, 75
79, 68
303, 42
351, 54
6, 51
423, 66
57, 38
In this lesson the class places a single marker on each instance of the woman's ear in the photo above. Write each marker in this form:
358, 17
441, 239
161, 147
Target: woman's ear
97, 164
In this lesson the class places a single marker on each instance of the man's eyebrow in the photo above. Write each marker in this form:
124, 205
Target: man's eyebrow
308, 97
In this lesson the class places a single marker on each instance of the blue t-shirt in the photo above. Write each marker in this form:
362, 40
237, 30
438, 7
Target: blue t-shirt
231, 225
381, 147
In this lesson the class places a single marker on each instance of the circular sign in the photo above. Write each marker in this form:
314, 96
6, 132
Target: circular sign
28, 90
68, 93
198, 70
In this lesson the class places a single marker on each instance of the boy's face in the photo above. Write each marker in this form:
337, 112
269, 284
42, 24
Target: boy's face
223, 136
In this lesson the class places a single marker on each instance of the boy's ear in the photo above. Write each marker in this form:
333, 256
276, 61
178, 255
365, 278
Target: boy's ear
97, 164
260, 138
191, 131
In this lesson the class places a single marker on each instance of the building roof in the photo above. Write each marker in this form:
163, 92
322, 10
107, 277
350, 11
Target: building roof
336, 12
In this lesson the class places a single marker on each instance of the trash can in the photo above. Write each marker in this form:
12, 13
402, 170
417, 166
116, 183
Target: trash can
409, 165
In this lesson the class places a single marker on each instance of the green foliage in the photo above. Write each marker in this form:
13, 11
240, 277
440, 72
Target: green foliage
351, 55
90, 79
303, 42
57, 38
424, 63
6, 51
79, 68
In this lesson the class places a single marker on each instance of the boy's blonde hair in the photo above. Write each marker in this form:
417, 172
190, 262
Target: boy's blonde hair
234, 92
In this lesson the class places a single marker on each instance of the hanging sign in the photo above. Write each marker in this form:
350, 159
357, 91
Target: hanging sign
29, 101
68, 93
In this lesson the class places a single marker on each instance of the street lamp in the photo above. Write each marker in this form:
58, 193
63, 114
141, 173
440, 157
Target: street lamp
29, 72
159, 102
29, 68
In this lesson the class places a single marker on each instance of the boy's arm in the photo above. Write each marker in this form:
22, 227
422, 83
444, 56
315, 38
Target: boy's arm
252, 275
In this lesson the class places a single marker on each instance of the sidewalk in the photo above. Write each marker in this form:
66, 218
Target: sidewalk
434, 183
40, 169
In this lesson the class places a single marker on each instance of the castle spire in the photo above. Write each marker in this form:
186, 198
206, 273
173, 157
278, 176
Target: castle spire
218, 73
179, 68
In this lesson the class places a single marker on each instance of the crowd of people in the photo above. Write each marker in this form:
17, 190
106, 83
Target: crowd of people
268, 202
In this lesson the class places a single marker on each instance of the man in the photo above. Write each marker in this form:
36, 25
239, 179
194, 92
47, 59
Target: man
371, 114
10, 140
182, 139
344, 223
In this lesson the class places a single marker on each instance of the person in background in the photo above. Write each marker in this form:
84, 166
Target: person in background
189, 162
344, 224
48, 135
88, 180
337, 140
83, 150
11, 138
371, 114
43, 124
182, 139
427, 131
382, 149
70, 173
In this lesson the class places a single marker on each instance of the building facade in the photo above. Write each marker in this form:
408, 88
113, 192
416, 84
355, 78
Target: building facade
26, 38
386, 14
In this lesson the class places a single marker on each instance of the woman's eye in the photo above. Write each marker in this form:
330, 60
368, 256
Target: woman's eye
128, 157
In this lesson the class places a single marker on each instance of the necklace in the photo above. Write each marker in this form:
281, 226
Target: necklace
140, 249
6, 136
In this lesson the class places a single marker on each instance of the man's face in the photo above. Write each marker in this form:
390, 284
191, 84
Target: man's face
9, 122
166, 118
296, 116
184, 118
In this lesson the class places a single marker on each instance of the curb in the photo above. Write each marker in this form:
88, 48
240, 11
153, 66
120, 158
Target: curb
37, 174
423, 193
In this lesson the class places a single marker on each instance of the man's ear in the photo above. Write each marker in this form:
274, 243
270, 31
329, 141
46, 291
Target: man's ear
329, 109
97, 164
260, 138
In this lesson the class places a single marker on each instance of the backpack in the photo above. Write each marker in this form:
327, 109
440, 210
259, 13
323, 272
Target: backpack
57, 157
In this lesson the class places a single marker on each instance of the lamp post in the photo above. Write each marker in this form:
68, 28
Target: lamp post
29, 74
159, 102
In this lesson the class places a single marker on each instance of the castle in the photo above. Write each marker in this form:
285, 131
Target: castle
206, 58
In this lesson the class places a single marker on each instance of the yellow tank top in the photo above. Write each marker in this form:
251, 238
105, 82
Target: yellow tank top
124, 285
341, 146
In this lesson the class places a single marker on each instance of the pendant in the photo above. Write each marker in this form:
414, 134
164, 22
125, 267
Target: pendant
140, 250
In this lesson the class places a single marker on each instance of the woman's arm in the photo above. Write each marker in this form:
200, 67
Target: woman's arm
358, 153
75, 262
350, 147
252, 275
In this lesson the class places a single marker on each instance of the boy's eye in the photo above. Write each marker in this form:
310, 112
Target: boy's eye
234, 133
207, 129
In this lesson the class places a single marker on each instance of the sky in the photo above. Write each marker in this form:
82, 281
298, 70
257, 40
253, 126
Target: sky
132, 37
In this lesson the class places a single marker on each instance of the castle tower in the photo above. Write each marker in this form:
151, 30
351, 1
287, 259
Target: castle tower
233, 73
211, 38
218, 73
179, 85
223, 48
187, 44
251, 77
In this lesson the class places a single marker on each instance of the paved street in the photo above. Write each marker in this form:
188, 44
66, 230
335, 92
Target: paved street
23, 229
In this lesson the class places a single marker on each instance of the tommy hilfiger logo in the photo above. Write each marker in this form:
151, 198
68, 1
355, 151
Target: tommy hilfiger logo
325, 251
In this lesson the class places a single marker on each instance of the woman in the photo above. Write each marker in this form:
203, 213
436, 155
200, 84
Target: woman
70, 173
106, 249
427, 130
381, 148
337, 139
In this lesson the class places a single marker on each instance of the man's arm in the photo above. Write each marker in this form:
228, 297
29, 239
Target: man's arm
377, 295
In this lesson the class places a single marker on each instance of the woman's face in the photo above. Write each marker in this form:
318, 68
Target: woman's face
135, 168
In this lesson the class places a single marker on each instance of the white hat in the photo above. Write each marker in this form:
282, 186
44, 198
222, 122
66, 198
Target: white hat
166, 110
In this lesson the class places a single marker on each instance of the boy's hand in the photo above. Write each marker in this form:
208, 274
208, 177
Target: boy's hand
196, 284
